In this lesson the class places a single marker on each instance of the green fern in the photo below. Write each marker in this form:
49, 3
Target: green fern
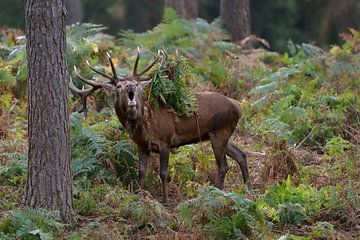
78, 32
169, 86
30, 224
224, 215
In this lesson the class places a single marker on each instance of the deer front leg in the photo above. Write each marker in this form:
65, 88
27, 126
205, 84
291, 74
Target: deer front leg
144, 156
164, 162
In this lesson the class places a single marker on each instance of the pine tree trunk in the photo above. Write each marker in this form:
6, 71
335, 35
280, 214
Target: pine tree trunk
236, 17
49, 182
187, 9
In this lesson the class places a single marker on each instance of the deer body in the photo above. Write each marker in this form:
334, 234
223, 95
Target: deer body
156, 129
214, 113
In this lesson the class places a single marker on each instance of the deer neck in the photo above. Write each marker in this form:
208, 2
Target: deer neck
133, 125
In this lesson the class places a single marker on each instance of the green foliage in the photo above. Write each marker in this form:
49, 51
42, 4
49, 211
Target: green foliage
336, 146
98, 149
297, 102
9, 198
190, 166
170, 86
30, 224
145, 212
138, 211
322, 230
286, 203
224, 215
13, 174
181, 165
84, 203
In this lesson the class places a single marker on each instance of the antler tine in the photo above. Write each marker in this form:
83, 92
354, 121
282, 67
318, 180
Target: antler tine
90, 82
99, 72
145, 78
177, 55
164, 58
149, 66
113, 69
136, 61
83, 95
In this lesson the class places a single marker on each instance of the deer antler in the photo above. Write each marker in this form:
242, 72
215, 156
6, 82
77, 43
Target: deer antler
85, 93
146, 69
112, 80
164, 58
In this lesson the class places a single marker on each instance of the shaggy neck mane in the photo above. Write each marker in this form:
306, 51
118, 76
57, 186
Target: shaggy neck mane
134, 126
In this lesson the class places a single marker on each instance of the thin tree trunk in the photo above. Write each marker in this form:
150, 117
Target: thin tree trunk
75, 11
49, 182
236, 17
187, 9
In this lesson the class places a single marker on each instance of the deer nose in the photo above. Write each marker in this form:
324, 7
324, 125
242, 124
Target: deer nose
130, 87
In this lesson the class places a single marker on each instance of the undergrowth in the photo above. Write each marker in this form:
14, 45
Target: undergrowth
303, 100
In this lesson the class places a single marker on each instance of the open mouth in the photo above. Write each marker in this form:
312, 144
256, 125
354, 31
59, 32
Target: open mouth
131, 95
131, 98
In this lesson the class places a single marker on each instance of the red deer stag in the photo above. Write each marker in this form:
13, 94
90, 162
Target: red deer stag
215, 120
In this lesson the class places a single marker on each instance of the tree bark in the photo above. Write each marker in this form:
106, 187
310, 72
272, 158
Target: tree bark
49, 180
236, 17
187, 9
75, 11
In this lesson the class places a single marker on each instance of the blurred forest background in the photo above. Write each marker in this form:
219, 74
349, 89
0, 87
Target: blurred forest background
300, 103
315, 21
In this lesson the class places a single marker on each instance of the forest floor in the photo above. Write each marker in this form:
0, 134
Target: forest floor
258, 155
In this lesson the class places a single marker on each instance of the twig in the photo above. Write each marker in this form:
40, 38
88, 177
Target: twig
256, 153
306, 138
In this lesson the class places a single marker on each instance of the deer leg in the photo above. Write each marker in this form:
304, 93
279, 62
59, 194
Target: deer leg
164, 161
240, 157
219, 148
144, 156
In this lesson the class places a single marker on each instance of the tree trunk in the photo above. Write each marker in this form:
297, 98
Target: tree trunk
187, 9
75, 11
49, 180
236, 17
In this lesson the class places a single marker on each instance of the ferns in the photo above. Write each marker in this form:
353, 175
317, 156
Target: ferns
169, 87
295, 103
78, 32
96, 151
30, 224
224, 215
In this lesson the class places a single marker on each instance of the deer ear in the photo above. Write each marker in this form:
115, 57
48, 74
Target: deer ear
145, 84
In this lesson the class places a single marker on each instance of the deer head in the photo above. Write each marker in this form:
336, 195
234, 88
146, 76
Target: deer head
128, 88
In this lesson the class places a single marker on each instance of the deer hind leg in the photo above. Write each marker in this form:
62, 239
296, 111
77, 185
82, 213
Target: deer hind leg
164, 162
218, 143
240, 157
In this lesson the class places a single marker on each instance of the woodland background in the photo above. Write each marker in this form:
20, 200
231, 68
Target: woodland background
317, 21
300, 102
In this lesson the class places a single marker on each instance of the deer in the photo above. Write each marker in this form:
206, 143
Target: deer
156, 129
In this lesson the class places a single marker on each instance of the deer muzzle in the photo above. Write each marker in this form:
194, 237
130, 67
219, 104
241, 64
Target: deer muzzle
131, 96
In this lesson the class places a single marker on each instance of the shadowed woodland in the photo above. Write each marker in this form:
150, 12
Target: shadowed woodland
292, 67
